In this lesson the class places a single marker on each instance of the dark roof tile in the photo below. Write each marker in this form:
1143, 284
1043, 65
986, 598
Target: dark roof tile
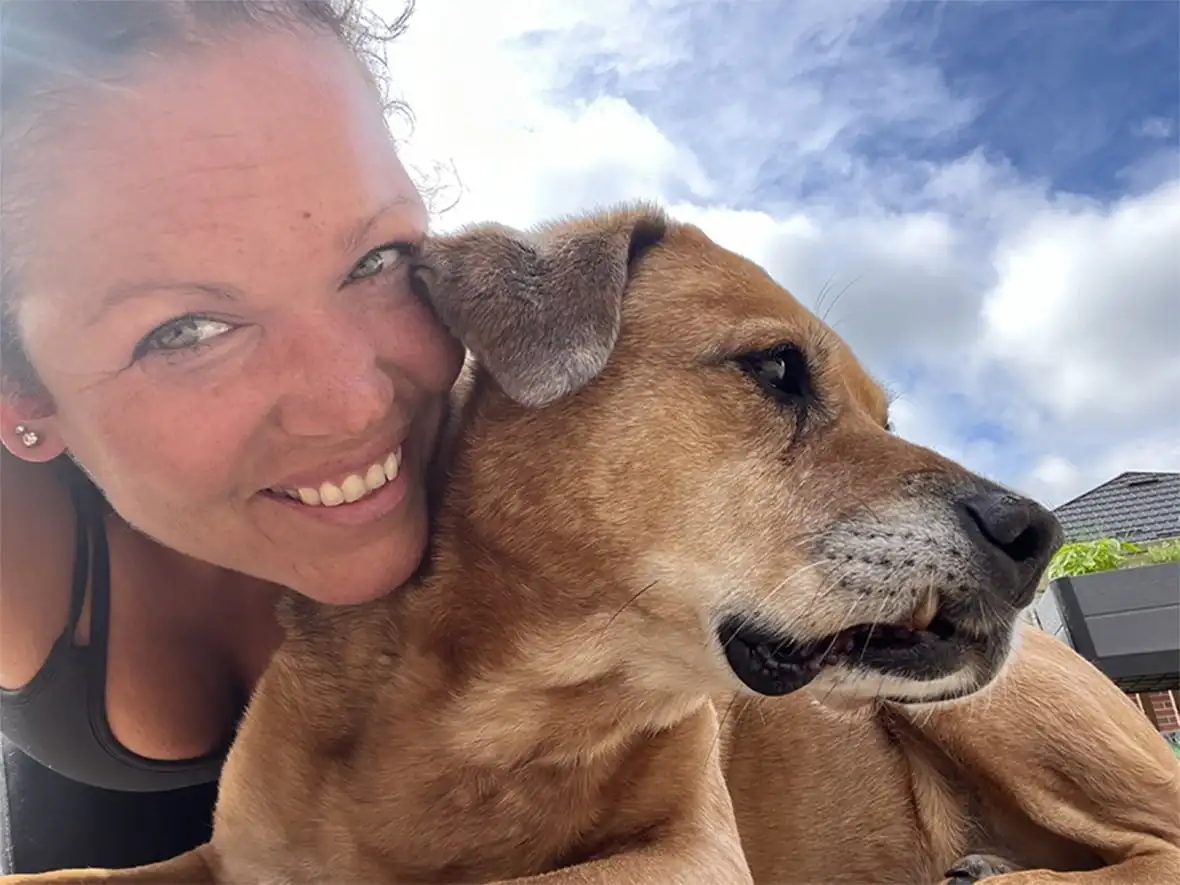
1134, 506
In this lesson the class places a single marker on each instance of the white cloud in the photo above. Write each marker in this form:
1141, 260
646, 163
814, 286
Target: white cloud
988, 298
480, 91
1057, 479
1086, 311
1053, 473
1155, 127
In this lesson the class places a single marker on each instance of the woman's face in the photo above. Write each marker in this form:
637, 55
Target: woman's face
215, 294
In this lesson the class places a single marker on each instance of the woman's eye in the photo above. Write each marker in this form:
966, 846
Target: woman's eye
378, 261
186, 333
782, 372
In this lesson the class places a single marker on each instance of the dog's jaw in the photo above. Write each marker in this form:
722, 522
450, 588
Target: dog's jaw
856, 623
858, 683
916, 548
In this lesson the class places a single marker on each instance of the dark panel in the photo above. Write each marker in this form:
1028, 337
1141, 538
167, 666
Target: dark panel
1127, 623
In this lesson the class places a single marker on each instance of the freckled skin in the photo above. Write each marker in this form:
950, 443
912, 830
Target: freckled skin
206, 192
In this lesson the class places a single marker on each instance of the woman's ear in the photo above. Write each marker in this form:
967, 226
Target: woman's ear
28, 426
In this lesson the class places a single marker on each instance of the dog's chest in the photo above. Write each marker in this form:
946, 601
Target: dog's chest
478, 824
826, 799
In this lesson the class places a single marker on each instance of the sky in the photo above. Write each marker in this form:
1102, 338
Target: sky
983, 199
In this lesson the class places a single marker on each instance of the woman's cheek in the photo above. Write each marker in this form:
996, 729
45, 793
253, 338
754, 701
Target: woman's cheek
419, 345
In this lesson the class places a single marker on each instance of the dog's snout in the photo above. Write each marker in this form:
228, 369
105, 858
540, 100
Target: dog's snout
1015, 536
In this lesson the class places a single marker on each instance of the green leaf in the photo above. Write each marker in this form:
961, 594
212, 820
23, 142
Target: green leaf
1087, 558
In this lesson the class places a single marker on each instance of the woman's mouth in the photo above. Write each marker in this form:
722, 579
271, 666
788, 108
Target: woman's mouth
348, 489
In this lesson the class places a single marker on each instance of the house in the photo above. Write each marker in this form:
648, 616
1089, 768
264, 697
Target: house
1126, 622
1136, 507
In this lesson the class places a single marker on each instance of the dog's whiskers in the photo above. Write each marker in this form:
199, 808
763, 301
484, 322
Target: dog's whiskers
823, 588
818, 305
830, 582
753, 612
839, 295
721, 723
626, 605
841, 678
888, 598
845, 622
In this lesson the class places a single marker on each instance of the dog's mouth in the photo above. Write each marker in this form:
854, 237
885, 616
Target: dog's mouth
774, 664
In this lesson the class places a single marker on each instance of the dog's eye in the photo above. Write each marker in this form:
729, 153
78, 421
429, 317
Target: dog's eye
781, 372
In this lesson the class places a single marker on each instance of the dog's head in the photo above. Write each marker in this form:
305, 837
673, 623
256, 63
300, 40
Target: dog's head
682, 442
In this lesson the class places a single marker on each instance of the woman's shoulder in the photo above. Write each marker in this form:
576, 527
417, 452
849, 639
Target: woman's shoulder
38, 525
165, 648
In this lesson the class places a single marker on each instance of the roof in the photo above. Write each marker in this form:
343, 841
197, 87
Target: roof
1134, 506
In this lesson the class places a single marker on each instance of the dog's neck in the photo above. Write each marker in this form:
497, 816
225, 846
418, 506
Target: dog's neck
508, 609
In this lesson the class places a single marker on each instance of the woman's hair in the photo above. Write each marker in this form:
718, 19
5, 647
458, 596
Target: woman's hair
53, 51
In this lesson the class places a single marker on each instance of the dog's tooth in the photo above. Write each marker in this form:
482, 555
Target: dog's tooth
926, 610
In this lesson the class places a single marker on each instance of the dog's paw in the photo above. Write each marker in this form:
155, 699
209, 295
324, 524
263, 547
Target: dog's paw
974, 867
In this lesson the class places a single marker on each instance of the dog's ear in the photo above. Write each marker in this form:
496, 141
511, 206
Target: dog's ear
540, 311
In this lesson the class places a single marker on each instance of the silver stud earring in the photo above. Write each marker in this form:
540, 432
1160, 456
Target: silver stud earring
29, 438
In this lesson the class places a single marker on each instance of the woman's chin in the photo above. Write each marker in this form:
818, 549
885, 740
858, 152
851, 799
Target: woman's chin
366, 574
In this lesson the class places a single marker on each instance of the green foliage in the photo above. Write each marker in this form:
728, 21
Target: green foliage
1088, 557
1168, 551
1173, 739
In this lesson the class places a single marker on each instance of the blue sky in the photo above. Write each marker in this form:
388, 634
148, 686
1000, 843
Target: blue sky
1073, 93
993, 188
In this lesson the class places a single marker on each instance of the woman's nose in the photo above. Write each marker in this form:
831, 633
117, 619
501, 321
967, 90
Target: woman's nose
334, 386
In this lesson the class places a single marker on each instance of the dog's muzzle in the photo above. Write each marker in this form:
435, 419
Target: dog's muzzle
775, 664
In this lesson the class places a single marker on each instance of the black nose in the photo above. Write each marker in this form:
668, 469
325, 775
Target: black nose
1016, 538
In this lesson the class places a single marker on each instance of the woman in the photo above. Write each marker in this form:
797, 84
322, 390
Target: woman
207, 316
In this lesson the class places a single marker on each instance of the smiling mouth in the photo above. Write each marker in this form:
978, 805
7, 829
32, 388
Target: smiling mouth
773, 664
348, 489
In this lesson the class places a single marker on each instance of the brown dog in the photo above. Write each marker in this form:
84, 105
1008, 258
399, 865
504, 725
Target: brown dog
673, 493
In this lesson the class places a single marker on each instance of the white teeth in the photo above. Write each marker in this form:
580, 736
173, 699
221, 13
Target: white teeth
353, 488
375, 478
330, 495
392, 464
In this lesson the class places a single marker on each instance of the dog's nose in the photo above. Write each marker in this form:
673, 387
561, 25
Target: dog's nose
1015, 536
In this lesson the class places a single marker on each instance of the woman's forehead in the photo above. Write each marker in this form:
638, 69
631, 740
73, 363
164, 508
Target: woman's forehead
276, 124
275, 144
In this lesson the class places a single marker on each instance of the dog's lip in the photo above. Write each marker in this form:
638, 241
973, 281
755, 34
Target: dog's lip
773, 663
767, 663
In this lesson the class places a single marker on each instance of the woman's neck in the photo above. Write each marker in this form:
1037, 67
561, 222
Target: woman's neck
233, 612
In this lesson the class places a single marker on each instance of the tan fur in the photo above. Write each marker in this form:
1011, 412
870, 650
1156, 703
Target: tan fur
1052, 768
549, 692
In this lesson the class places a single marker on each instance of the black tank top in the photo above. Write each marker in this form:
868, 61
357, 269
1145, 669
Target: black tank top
75, 796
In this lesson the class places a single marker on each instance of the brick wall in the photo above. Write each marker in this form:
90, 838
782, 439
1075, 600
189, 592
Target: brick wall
1162, 708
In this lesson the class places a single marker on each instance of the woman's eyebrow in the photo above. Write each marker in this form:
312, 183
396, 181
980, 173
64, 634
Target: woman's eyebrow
355, 236
124, 292
352, 240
